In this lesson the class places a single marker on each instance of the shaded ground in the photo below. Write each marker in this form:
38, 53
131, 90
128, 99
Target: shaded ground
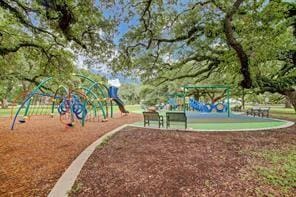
35, 154
150, 162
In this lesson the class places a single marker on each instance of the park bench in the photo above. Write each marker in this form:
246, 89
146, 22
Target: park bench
260, 112
265, 111
253, 111
152, 116
175, 117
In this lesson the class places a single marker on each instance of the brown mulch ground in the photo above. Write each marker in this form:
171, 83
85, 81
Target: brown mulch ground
35, 154
149, 162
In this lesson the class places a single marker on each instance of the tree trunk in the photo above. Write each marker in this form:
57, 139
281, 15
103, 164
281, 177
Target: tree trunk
196, 95
234, 44
222, 95
4, 103
287, 103
291, 95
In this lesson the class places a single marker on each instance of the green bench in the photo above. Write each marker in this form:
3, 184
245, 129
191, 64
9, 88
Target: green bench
260, 112
265, 111
175, 117
152, 116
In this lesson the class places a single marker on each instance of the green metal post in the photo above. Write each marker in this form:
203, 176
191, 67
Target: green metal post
27, 107
111, 109
228, 103
107, 111
52, 107
184, 100
83, 114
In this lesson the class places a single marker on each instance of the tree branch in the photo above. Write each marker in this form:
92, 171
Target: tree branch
209, 69
233, 43
6, 50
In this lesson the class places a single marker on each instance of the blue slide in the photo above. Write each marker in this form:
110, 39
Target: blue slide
113, 94
202, 107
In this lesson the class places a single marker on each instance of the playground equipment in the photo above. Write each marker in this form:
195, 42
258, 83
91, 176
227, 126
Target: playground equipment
173, 103
84, 103
214, 106
202, 107
176, 101
113, 95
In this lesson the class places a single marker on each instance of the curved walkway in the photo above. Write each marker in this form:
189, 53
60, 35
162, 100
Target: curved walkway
66, 181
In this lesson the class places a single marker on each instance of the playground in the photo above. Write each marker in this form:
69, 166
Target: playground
33, 156
74, 104
211, 111
47, 131
147, 98
48, 128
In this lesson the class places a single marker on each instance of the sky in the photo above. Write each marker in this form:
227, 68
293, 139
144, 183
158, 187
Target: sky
123, 28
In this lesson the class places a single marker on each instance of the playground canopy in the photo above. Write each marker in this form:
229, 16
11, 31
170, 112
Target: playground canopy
224, 87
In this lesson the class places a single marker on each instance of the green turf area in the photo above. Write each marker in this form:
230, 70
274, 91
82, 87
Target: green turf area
222, 126
227, 123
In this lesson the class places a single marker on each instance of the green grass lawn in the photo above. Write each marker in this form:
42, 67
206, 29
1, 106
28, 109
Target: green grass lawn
5, 112
279, 167
130, 108
283, 112
278, 111
134, 108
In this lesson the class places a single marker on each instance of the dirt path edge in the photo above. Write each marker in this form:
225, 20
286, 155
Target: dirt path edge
66, 181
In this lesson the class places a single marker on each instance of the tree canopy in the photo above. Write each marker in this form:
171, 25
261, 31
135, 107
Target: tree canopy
244, 43
45, 38
248, 43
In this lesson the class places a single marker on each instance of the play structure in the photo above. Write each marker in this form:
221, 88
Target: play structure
203, 107
84, 100
216, 103
205, 103
176, 101
207, 108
